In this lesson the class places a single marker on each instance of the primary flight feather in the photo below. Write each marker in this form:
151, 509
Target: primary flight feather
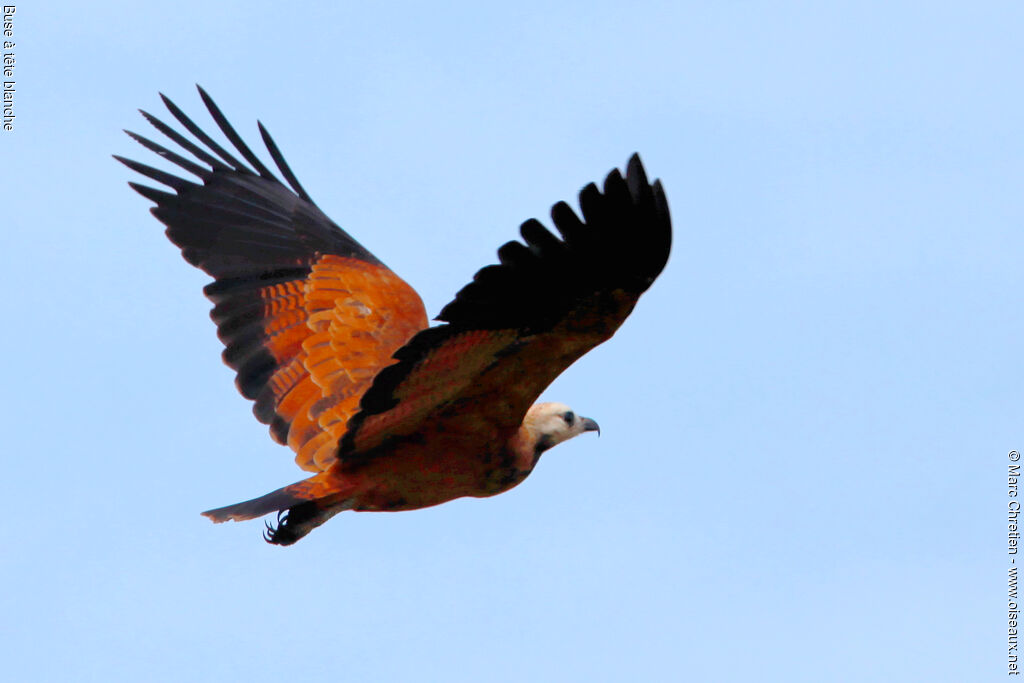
336, 351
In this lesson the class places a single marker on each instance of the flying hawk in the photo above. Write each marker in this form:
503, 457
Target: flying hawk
336, 350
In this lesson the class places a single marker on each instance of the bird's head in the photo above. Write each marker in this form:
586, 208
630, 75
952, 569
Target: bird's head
552, 423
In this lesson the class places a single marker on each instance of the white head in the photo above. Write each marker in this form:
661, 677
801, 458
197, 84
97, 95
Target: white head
552, 423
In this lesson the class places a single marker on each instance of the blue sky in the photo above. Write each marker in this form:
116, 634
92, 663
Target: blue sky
801, 473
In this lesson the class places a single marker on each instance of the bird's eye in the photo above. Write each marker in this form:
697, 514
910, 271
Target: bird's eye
569, 418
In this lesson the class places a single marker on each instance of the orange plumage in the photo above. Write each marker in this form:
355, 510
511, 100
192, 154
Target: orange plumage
335, 349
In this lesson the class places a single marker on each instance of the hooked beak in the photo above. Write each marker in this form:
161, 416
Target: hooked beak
591, 426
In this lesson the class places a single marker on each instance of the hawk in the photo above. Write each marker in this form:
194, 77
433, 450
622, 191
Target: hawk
336, 352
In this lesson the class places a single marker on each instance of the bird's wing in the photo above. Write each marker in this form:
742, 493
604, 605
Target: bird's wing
308, 315
520, 323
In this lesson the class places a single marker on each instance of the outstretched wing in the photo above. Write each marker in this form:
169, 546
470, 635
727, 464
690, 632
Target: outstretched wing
308, 315
519, 324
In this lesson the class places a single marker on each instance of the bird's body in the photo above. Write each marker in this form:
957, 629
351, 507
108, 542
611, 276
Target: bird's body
416, 473
336, 352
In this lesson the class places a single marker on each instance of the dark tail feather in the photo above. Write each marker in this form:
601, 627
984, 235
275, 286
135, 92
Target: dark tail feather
317, 486
280, 499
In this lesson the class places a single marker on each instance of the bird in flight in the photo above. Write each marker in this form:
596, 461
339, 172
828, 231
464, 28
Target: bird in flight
336, 352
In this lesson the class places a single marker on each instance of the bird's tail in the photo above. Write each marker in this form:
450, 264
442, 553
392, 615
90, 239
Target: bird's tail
309, 489
301, 507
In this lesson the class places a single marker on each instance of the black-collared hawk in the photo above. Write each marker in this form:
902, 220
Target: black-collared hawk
336, 351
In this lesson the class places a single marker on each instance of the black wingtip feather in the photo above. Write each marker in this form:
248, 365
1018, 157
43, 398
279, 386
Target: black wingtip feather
191, 126
156, 174
151, 193
186, 144
569, 225
282, 165
516, 254
177, 159
233, 135
636, 178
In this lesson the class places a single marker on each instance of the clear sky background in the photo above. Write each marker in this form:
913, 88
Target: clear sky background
802, 469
